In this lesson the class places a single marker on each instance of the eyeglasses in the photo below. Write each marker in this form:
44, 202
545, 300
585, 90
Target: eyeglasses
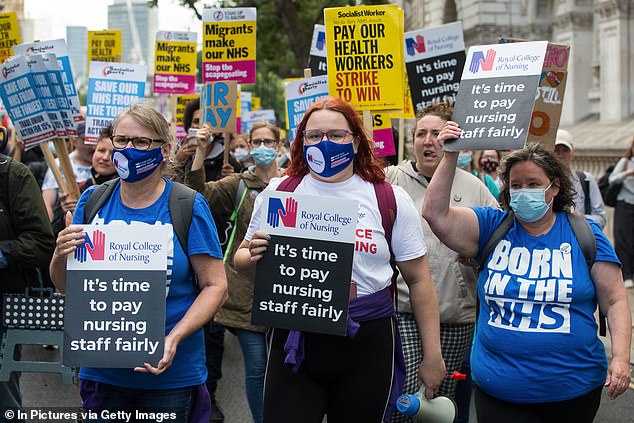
268, 142
313, 136
142, 143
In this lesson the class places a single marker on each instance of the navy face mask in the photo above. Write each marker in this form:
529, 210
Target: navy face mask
133, 164
327, 158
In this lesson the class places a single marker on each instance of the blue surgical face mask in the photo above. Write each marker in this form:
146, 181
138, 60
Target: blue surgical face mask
529, 204
133, 164
327, 158
240, 154
464, 160
263, 155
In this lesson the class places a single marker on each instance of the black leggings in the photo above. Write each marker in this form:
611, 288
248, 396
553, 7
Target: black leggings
624, 236
576, 410
347, 379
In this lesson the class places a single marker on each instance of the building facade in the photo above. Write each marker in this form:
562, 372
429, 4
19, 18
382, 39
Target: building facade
598, 105
77, 43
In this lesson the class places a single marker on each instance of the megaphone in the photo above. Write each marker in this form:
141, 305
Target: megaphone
438, 410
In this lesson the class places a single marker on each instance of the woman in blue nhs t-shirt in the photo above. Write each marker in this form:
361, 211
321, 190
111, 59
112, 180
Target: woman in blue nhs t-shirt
141, 140
536, 355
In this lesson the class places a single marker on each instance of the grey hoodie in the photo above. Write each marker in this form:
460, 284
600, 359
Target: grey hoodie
455, 283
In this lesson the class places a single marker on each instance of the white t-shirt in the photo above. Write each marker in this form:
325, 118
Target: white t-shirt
371, 262
82, 174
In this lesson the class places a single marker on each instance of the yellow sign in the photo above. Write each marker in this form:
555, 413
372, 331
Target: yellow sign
104, 46
181, 102
408, 108
229, 45
255, 103
175, 62
9, 34
365, 56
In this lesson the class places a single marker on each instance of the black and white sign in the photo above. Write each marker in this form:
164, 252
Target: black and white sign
496, 96
303, 280
115, 297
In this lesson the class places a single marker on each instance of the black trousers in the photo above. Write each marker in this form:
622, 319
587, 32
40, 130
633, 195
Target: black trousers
576, 410
347, 379
624, 236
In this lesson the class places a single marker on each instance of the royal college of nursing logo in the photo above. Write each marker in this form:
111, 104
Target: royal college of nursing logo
94, 247
479, 61
278, 212
320, 43
121, 164
414, 46
316, 158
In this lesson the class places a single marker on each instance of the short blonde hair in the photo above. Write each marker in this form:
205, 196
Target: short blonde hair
148, 117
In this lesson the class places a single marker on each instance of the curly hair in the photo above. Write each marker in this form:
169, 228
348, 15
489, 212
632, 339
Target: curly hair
552, 167
365, 164
442, 110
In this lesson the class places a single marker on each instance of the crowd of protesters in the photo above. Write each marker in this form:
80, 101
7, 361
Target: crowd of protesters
458, 304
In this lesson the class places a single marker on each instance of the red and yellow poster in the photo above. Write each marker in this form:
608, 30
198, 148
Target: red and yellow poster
365, 56
104, 46
175, 62
229, 45
9, 34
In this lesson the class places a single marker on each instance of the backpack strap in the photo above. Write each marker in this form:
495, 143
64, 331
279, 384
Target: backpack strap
585, 185
496, 236
241, 193
289, 184
181, 205
585, 237
97, 199
588, 244
387, 208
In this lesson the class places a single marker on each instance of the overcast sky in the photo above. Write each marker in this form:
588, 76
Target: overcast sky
93, 14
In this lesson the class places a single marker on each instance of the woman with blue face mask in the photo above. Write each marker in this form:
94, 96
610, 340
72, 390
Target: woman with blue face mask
235, 195
141, 142
350, 378
536, 354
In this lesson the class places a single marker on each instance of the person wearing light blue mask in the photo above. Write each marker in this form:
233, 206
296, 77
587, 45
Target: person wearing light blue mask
239, 150
142, 141
529, 204
235, 195
536, 292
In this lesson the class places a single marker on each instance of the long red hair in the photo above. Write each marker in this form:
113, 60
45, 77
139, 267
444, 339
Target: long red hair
365, 164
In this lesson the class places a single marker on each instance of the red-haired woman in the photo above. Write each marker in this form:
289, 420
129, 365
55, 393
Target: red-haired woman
349, 378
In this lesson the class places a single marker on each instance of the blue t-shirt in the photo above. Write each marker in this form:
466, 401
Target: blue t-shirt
188, 367
536, 334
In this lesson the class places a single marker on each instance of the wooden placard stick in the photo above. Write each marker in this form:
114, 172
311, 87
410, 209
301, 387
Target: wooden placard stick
401, 140
308, 73
227, 137
173, 100
50, 161
67, 168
